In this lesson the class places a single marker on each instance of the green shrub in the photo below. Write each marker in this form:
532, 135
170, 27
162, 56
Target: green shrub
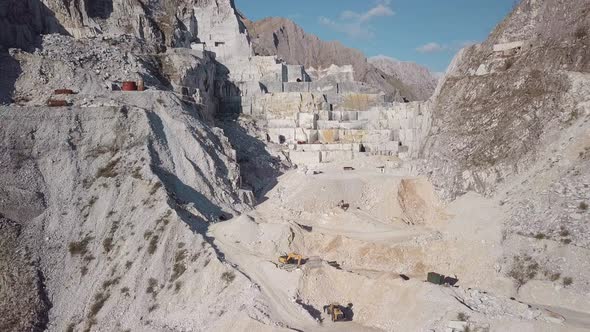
462, 317
581, 32
155, 187
109, 170
107, 284
179, 267
524, 268
80, 247
540, 236
177, 286
153, 244
107, 244
228, 277
99, 301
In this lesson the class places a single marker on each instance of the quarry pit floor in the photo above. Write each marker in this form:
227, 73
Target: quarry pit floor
372, 256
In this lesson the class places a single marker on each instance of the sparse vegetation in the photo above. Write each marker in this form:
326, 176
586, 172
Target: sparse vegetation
89, 324
581, 32
100, 150
152, 287
136, 174
195, 256
155, 187
153, 307
462, 317
147, 235
92, 201
109, 171
179, 267
128, 265
107, 244
177, 286
125, 291
540, 236
81, 247
153, 244
228, 277
107, 284
99, 301
553, 276
564, 232
567, 281
566, 241
524, 268
583, 206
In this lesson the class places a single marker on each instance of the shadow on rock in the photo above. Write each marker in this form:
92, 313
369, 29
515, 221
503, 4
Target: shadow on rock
259, 169
10, 70
23, 22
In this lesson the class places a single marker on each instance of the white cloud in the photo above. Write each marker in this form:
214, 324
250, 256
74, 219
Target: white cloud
431, 48
384, 57
436, 47
357, 24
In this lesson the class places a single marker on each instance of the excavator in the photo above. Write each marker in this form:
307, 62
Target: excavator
335, 310
291, 259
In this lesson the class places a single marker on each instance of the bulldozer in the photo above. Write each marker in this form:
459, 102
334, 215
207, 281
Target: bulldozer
291, 259
335, 311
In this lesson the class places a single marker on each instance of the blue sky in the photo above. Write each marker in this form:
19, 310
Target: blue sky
428, 32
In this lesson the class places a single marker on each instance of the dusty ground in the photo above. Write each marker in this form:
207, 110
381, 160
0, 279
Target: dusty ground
395, 225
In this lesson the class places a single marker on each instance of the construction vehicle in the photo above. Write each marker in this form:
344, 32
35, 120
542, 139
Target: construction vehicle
291, 259
335, 311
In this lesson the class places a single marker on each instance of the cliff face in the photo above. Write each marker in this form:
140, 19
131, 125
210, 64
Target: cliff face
21, 23
176, 23
511, 120
496, 110
105, 205
287, 40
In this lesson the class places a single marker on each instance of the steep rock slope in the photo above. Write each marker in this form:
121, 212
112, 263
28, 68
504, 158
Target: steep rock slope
284, 38
175, 23
126, 210
22, 21
419, 78
495, 111
512, 121
106, 204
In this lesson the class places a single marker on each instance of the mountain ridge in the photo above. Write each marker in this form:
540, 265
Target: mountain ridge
284, 38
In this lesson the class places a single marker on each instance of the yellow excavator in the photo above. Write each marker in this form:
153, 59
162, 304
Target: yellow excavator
291, 259
335, 310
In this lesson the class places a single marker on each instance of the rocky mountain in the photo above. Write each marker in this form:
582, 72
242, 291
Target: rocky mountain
284, 38
168, 209
511, 121
105, 204
418, 78
531, 64
159, 22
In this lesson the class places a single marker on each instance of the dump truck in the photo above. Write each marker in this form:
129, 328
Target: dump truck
335, 311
